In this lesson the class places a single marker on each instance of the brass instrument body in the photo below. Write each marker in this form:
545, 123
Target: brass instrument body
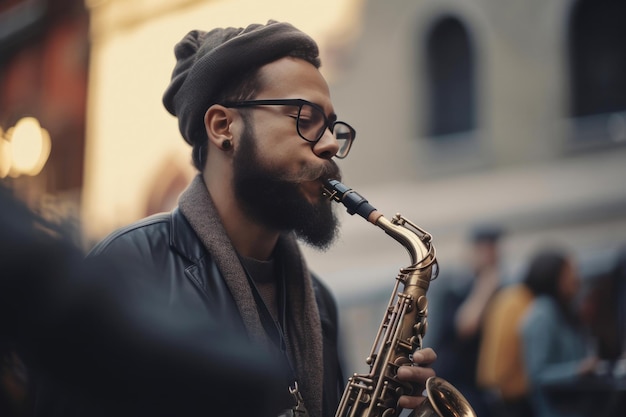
404, 324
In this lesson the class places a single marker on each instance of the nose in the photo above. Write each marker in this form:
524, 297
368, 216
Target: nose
327, 146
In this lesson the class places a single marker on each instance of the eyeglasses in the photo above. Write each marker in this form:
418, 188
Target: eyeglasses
311, 122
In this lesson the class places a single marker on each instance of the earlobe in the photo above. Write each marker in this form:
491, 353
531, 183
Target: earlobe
217, 121
226, 144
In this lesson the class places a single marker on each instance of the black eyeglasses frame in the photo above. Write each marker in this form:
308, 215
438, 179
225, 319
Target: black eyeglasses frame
299, 102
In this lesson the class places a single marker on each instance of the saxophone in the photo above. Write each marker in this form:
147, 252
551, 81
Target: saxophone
403, 326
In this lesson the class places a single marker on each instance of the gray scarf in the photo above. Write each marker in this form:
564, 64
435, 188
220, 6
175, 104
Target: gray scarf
304, 328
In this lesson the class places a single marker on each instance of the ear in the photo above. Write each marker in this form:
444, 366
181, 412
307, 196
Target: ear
217, 122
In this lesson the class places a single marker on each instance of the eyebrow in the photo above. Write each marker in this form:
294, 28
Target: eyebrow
331, 117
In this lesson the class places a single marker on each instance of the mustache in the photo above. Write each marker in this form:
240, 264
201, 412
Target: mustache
326, 171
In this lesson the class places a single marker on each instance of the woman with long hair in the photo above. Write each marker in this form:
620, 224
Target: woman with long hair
554, 343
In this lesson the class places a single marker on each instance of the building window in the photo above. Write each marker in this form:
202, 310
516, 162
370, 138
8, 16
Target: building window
450, 79
597, 59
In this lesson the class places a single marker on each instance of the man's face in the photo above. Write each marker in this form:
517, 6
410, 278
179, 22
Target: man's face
273, 196
278, 176
485, 254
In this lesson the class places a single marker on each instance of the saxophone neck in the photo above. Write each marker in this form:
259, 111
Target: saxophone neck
416, 241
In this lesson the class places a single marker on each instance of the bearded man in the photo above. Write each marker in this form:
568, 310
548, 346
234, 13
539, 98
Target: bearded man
257, 112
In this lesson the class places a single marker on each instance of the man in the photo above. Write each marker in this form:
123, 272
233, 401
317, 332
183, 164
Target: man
458, 312
257, 112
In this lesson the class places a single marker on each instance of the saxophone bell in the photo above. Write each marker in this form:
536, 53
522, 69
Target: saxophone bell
443, 400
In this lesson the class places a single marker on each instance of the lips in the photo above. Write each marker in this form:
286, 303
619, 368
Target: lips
327, 171
312, 179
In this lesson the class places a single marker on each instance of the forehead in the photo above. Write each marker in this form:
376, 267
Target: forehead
294, 78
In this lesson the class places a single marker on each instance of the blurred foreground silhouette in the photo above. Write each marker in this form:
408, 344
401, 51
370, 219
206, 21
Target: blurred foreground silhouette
101, 338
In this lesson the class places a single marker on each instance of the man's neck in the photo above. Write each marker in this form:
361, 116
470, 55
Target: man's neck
249, 238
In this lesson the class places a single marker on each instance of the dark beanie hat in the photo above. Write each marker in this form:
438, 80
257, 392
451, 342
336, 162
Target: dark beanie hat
206, 61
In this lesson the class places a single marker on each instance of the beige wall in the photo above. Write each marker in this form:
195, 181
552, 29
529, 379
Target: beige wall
131, 139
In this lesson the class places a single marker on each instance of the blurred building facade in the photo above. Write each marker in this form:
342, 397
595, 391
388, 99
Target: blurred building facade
511, 112
486, 110
44, 63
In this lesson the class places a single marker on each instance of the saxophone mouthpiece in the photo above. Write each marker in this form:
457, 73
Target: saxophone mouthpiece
354, 202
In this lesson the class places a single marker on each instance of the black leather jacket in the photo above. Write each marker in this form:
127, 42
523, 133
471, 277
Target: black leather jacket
190, 275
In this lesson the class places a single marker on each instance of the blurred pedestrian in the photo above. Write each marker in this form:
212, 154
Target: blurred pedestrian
605, 309
501, 366
99, 336
457, 310
555, 345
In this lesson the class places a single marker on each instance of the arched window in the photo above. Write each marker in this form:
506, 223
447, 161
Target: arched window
450, 79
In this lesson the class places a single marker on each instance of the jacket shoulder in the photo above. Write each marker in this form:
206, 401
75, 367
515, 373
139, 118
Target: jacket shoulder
156, 237
145, 233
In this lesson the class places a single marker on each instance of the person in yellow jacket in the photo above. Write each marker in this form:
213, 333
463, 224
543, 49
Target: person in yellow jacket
500, 362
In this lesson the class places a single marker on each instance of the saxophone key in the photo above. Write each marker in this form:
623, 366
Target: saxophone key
422, 304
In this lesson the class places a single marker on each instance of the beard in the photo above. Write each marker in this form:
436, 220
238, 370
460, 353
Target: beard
270, 198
